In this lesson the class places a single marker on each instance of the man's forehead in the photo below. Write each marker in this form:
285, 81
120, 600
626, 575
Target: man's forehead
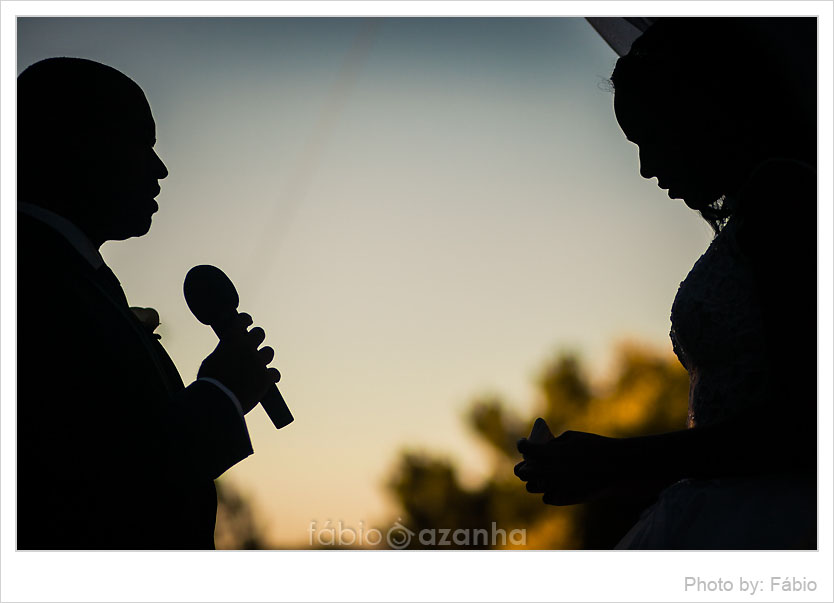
124, 115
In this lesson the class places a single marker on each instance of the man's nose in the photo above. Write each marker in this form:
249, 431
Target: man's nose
160, 169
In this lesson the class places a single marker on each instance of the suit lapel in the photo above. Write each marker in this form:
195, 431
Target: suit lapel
53, 245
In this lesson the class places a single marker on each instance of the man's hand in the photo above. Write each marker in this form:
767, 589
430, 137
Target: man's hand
575, 467
238, 364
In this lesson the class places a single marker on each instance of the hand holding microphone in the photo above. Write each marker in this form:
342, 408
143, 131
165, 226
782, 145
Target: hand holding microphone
236, 362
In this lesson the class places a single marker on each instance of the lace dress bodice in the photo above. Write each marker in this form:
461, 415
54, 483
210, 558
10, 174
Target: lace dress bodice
718, 333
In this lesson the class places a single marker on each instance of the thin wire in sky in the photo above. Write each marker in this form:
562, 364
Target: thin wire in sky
297, 185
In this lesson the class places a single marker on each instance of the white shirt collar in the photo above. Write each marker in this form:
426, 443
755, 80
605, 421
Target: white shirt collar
74, 236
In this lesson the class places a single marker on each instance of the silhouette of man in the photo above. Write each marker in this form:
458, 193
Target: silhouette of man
114, 452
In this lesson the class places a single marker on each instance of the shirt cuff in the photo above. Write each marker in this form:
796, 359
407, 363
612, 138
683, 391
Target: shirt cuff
226, 391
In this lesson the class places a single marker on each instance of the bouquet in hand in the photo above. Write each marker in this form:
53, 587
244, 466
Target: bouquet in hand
541, 432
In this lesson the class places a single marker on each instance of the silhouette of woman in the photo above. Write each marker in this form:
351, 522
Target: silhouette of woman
723, 111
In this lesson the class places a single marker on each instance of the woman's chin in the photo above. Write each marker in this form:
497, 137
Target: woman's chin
694, 199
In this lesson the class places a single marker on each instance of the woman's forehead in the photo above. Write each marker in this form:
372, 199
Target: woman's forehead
632, 114
638, 111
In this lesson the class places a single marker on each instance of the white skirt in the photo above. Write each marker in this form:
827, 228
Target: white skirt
768, 512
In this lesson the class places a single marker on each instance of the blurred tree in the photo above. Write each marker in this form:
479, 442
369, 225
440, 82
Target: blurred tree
646, 393
237, 527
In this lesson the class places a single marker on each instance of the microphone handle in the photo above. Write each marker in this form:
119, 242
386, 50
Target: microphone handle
272, 402
275, 407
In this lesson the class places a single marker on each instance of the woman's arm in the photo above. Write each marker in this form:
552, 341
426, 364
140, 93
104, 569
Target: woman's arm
747, 444
579, 467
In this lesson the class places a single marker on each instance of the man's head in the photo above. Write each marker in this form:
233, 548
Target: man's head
85, 147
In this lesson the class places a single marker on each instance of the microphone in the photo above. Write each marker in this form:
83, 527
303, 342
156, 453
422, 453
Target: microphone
213, 299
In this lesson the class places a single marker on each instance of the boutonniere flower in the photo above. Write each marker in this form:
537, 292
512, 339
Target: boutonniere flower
149, 319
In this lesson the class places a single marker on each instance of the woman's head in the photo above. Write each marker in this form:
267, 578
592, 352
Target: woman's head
707, 100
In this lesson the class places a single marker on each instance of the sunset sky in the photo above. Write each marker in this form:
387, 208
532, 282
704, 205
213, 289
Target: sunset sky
418, 211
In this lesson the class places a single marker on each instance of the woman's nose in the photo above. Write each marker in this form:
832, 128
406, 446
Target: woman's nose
648, 167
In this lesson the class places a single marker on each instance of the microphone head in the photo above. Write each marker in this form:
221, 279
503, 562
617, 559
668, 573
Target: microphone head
210, 294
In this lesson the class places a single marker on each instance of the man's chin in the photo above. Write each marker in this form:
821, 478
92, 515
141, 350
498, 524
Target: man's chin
144, 229
137, 228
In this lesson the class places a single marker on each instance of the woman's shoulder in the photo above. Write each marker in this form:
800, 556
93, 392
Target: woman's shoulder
780, 175
777, 208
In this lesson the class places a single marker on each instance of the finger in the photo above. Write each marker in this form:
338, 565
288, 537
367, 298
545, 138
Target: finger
266, 354
528, 448
257, 335
556, 499
531, 473
273, 374
525, 471
520, 470
236, 327
549, 498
